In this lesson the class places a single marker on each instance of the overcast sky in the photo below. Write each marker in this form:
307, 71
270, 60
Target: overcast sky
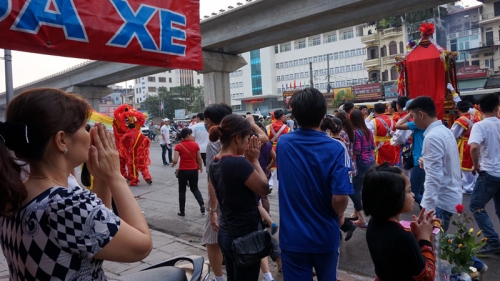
28, 67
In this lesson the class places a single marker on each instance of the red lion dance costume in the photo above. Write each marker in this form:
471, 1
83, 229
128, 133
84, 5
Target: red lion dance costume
132, 145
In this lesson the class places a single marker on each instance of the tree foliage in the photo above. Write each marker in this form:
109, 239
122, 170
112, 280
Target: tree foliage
342, 96
185, 97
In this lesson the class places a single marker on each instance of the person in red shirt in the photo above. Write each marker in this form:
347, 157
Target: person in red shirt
189, 167
383, 127
274, 131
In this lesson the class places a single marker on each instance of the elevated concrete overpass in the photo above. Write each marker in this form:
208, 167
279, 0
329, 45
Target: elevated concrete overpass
252, 26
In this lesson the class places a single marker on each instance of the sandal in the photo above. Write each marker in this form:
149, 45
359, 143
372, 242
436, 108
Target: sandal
360, 224
181, 214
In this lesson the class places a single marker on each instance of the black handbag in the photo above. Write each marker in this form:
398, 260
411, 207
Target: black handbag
252, 247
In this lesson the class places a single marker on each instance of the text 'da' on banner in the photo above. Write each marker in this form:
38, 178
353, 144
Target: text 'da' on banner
164, 33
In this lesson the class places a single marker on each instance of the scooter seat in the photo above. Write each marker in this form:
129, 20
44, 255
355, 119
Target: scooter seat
166, 273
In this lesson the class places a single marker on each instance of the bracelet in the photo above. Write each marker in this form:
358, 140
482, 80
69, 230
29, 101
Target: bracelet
212, 211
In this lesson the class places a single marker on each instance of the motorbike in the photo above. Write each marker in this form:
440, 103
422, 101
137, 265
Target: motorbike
196, 269
175, 135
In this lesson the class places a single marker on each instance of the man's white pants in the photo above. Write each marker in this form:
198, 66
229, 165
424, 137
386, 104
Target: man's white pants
273, 181
468, 181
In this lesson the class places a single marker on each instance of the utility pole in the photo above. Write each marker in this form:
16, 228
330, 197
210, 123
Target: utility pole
328, 71
9, 88
311, 75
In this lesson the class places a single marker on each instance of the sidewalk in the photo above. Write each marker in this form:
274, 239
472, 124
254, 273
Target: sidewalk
165, 247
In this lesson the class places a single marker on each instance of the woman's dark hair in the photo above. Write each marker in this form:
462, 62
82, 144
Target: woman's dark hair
394, 105
333, 124
231, 126
358, 122
215, 112
186, 132
32, 119
384, 191
346, 124
308, 107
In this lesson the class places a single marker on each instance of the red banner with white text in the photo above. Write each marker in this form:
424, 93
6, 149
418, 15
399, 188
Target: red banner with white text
164, 33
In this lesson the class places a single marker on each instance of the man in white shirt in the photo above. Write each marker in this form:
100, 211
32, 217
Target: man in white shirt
165, 142
443, 181
200, 135
484, 142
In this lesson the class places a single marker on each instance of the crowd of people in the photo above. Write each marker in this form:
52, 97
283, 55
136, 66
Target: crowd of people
383, 161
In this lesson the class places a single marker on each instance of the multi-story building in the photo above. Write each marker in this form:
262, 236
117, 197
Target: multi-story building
337, 61
145, 86
489, 22
383, 45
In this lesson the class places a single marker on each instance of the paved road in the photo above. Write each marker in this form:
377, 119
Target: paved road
160, 204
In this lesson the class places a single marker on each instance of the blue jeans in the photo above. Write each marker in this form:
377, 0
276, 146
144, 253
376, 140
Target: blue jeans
487, 187
444, 216
298, 266
417, 180
164, 148
357, 184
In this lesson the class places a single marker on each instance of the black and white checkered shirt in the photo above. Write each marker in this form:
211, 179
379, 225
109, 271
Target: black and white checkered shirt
56, 235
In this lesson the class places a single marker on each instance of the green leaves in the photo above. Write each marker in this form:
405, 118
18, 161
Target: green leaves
185, 97
460, 247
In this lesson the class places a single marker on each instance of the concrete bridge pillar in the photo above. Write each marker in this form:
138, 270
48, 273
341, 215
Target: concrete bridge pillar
216, 71
92, 94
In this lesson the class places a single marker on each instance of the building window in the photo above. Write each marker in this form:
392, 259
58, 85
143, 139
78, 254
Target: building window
401, 47
277, 66
152, 89
281, 65
347, 68
332, 70
342, 69
302, 44
488, 63
394, 73
336, 56
330, 57
199, 82
285, 65
347, 54
337, 69
297, 75
276, 49
278, 78
348, 34
353, 53
285, 47
359, 66
331, 38
151, 79
341, 55
296, 63
170, 80
162, 79
385, 75
383, 51
393, 48
315, 59
315, 41
359, 52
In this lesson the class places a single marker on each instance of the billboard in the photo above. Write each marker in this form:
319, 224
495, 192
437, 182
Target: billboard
180, 114
472, 71
367, 92
391, 90
162, 33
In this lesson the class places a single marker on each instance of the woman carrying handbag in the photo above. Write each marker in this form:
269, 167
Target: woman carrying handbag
189, 168
237, 182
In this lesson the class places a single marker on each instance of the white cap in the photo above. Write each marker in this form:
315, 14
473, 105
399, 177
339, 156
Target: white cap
166, 119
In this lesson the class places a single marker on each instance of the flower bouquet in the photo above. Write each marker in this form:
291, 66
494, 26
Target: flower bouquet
460, 248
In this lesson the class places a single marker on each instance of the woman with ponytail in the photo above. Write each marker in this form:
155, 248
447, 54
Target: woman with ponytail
50, 229
237, 182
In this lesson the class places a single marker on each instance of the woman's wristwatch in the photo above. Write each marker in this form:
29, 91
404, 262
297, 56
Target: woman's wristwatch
212, 211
